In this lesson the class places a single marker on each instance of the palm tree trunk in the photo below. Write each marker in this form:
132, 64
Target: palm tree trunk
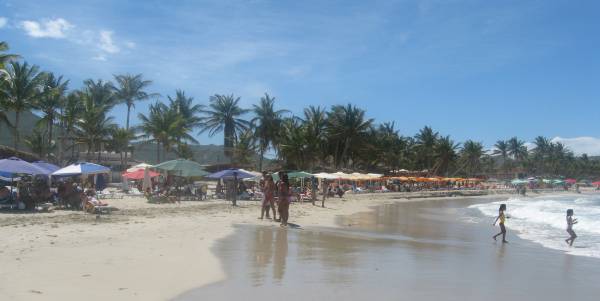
260, 160
127, 122
50, 125
16, 137
157, 152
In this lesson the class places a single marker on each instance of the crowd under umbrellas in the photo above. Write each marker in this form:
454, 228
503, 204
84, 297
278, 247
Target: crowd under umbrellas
41, 184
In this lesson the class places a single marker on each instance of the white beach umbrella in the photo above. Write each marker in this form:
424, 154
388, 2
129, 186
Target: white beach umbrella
139, 166
324, 175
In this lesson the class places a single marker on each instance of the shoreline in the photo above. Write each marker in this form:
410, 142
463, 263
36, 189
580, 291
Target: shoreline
144, 251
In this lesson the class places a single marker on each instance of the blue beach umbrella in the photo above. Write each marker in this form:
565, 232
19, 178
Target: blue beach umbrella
83, 168
13, 165
47, 166
228, 173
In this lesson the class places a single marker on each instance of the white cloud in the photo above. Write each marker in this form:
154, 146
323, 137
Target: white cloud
3, 21
130, 44
581, 145
106, 42
56, 28
99, 57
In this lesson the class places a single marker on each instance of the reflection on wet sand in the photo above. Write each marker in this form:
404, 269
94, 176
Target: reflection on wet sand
414, 250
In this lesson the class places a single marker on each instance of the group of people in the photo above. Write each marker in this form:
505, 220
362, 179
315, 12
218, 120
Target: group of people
501, 219
277, 197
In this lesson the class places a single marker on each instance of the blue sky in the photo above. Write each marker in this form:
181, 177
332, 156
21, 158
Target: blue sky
482, 70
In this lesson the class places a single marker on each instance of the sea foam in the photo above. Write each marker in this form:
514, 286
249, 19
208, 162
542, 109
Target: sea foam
543, 220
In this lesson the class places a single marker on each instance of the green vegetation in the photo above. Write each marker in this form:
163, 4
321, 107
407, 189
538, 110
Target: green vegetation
339, 137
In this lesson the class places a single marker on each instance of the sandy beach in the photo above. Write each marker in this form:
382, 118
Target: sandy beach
160, 252
141, 252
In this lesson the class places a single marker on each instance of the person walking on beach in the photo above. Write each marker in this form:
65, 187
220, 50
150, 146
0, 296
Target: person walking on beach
269, 199
502, 218
283, 189
570, 222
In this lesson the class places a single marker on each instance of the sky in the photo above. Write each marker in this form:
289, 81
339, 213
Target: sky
481, 70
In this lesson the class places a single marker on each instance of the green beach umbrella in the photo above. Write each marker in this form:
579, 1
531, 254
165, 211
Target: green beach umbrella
183, 168
519, 182
294, 175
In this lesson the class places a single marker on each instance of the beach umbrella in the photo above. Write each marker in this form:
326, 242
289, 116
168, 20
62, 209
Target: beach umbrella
324, 175
141, 166
519, 182
229, 173
571, 181
139, 174
83, 168
47, 166
558, 182
597, 183
293, 175
183, 168
13, 165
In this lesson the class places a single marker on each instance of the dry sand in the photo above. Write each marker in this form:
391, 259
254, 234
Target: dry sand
141, 252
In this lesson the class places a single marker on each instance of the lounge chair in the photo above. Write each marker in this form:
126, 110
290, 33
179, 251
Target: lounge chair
98, 208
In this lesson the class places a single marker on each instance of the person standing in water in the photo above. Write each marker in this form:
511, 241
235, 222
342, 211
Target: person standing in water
283, 189
501, 218
570, 222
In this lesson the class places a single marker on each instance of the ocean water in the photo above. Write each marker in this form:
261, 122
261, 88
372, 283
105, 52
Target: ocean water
542, 219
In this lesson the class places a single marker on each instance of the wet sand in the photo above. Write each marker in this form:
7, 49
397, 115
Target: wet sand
431, 250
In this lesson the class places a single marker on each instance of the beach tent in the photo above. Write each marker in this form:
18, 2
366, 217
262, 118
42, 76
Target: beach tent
139, 166
13, 165
183, 168
229, 173
139, 174
83, 168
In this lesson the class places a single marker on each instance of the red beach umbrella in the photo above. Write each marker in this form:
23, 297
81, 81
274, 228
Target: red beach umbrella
597, 183
139, 174
571, 181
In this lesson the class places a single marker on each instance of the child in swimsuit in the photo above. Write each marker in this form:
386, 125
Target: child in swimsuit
502, 218
570, 222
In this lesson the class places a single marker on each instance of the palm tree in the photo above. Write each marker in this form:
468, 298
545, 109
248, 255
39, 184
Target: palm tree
501, 148
293, 143
94, 126
425, 146
471, 154
517, 149
119, 142
267, 123
38, 144
50, 102
346, 127
164, 127
445, 154
541, 152
131, 89
71, 111
20, 89
4, 111
5, 58
245, 148
224, 115
315, 121
184, 107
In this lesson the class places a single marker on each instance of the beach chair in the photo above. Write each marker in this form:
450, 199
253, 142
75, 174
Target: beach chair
97, 208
